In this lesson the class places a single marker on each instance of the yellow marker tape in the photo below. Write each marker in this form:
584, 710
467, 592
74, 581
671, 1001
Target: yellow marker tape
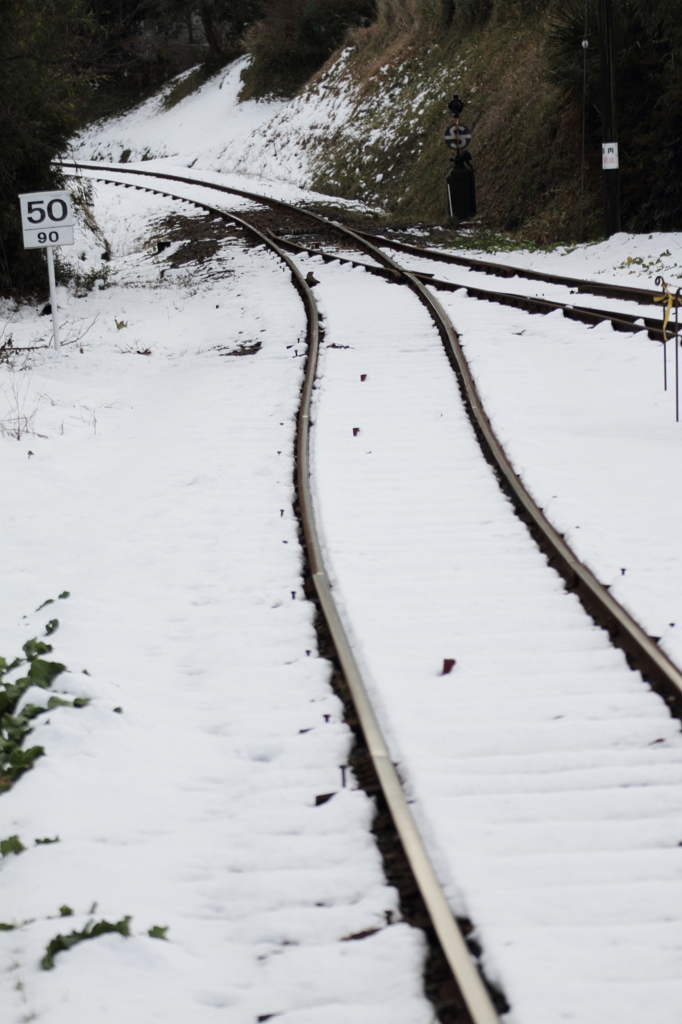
668, 299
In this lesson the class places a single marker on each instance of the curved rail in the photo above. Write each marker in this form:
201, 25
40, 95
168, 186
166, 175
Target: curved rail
473, 991
642, 650
370, 242
613, 291
584, 314
471, 986
616, 291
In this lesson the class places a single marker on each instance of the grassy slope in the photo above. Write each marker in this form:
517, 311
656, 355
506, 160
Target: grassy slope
394, 82
526, 139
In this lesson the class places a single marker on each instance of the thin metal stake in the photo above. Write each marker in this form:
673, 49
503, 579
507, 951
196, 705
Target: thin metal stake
677, 358
53, 296
665, 366
677, 382
585, 45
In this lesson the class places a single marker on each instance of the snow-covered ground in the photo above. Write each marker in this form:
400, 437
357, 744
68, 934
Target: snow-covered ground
280, 141
159, 495
545, 775
153, 481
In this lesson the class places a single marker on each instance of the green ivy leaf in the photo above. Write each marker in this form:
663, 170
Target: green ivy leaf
57, 702
32, 648
64, 942
41, 673
11, 845
22, 760
30, 711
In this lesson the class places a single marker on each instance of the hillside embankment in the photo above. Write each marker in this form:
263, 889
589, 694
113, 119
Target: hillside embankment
388, 148
369, 124
529, 73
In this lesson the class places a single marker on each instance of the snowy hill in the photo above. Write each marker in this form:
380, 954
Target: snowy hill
210, 130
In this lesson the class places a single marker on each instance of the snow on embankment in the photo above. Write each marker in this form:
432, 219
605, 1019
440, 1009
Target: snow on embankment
211, 130
334, 136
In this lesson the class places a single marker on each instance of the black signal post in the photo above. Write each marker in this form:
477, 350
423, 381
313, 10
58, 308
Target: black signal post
461, 188
609, 128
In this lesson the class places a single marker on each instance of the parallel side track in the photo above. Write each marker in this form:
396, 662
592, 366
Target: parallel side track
584, 314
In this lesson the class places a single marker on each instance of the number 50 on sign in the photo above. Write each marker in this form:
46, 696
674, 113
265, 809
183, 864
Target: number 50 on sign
46, 219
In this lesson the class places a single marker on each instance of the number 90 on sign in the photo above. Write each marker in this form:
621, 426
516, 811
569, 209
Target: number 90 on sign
46, 219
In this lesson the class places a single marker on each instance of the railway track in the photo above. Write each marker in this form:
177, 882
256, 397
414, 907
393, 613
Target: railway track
372, 244
620, 319
641, 650
643, 295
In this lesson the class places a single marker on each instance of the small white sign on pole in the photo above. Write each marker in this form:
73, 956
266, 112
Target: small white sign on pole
609, 156
47, 221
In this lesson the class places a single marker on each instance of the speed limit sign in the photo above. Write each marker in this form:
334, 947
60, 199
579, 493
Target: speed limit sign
46, 219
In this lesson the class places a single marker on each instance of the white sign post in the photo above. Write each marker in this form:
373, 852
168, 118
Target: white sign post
47, 221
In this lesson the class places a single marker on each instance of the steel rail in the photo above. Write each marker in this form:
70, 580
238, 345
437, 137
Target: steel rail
614, 291
453, 944
640, 295
642, 650
620, 321
253, 196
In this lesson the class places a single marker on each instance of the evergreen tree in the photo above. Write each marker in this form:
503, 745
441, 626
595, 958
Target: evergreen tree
44, 72
648, 71
294, 38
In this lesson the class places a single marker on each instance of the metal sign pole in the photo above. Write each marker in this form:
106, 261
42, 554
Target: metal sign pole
53, 296
46, 222
611, 174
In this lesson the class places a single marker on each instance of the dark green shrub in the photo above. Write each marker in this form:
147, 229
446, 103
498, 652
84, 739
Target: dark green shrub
294, 38
41, 82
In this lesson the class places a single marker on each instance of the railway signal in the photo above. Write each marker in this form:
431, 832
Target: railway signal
47, 221
461, 187
457, 136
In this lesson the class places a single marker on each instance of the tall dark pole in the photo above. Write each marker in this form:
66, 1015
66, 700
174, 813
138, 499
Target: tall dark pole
609, 128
